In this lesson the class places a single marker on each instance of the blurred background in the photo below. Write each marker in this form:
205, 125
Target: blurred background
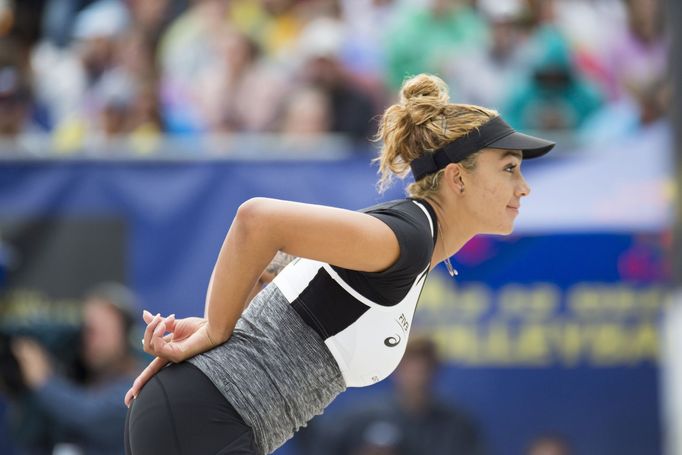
131, 130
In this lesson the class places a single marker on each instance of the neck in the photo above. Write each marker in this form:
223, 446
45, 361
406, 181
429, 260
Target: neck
453, 230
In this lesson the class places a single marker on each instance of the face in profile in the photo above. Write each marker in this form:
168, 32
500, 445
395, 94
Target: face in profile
494, 189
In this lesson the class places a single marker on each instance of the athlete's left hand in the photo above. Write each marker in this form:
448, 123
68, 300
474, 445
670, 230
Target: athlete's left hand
187, 337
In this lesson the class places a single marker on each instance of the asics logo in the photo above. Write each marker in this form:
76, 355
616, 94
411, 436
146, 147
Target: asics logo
392, 341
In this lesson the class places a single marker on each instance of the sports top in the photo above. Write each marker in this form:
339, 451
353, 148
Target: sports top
318, 329
365, 318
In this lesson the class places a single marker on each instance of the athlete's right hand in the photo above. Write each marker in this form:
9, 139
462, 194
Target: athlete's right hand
155, 343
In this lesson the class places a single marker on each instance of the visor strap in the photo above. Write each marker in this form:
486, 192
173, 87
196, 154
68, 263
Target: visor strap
457, 150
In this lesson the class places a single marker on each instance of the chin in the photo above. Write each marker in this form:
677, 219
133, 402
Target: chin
502, 230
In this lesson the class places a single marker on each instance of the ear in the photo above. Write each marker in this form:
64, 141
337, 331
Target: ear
453, 177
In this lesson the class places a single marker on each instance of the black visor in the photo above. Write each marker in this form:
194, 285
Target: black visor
495, 133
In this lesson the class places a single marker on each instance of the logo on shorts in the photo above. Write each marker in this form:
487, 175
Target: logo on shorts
392, 341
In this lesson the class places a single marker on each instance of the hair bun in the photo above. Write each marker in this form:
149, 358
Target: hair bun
424, 88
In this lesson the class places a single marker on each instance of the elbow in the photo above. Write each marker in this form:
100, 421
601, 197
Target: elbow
250, 212
250, 220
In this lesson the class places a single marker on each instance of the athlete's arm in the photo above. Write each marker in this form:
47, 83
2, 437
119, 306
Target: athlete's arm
262, 227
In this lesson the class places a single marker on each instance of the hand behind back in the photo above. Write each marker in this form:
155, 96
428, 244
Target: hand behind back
187, 337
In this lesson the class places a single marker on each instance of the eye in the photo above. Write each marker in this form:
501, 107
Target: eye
511, 168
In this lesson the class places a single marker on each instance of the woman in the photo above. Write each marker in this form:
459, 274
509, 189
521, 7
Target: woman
242, 382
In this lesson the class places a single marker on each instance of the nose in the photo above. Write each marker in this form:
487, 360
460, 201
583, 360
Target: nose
523, 189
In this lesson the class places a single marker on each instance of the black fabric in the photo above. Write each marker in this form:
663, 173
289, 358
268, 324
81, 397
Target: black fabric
495, 133
180, 412
411, 227
520, 141
332, 314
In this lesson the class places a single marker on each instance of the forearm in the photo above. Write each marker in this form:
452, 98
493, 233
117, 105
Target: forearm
248, 248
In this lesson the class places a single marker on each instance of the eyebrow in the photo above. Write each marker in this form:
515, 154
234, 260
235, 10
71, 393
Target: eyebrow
514, 153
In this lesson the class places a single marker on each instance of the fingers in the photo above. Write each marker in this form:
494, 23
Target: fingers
186, 337
149, 332
170, 322
148, 317
155, 341
153, 368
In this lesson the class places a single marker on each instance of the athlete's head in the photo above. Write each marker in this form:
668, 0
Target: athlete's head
457, 153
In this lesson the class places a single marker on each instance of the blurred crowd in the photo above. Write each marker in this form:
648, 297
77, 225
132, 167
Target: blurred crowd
85, 73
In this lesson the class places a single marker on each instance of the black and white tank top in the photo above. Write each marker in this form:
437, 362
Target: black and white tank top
365, 318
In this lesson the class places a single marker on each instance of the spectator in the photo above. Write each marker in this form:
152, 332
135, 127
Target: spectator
135, 65
423, 39
185, 52
411, 421
19, 131
110, 81
151, 17
351, 109
280, 26
487, 76
90, 416
69, 81
639, 55
305, 119
645, 106
58, 20
590, 27
14, 107
366, 22
239, 91
554, 96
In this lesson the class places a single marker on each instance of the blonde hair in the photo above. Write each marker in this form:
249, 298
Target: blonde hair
423, 121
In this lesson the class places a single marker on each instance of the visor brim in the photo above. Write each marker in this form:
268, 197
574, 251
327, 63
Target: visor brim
530, 146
